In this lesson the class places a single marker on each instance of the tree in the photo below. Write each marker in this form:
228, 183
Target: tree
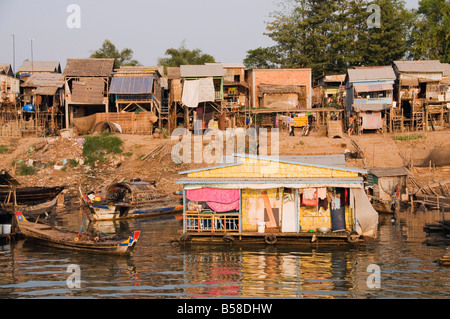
431, 34
184, 56
390, 42
109, 51
262, 58
329, 36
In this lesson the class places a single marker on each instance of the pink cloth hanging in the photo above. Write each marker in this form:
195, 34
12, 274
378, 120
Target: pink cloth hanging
220, 208
216, 195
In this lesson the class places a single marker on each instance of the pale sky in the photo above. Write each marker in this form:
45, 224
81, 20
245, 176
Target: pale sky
224, 29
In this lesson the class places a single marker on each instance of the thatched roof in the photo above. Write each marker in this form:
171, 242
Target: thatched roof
44, 79
173, 73
278, 89
89, 67
5, 68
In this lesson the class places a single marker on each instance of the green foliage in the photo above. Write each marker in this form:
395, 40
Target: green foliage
184, 56
73, 162
4, 149
95, 147
431, 33
23, 169
408, 137
330, 36
262, 58
109, 51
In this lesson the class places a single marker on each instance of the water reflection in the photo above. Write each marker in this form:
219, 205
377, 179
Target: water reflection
158, 270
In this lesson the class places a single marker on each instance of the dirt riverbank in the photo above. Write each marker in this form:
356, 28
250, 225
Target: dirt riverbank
59, 161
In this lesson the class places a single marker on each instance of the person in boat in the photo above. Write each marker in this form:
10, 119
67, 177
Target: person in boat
117, 195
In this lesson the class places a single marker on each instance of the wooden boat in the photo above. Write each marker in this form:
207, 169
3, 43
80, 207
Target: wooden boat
81, 241
29, 195
11, 191
136, 199
38, 209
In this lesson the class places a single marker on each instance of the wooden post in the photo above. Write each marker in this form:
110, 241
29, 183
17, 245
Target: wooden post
412, 203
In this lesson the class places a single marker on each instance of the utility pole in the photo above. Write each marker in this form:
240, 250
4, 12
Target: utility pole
32, 64
14, 54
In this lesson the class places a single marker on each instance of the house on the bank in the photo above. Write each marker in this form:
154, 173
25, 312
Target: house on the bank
332, 89
43, 97
369, 96
9, 85
279, 88
235, 89
86, 87
136, 88
202, 94
31, 67
421, 97
264, 199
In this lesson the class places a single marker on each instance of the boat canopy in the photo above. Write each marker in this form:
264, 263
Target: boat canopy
132, 191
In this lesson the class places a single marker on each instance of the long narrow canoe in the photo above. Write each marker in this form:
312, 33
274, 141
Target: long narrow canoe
51, 236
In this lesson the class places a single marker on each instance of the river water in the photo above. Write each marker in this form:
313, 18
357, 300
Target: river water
396, 265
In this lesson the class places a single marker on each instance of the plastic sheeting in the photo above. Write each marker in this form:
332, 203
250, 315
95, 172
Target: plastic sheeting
196, 91
366, 215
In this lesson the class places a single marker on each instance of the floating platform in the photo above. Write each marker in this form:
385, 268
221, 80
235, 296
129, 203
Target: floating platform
341, 237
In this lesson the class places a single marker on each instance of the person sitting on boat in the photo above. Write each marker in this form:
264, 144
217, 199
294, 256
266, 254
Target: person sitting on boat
118, 194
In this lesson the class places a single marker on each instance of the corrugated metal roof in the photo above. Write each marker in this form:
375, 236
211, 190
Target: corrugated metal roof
89, 67
46, 90
229, 65
388, 171
271, 179
336, 161
425, 66
446, 69
371, 73
334, 78
194, 71
40, 66
131, 85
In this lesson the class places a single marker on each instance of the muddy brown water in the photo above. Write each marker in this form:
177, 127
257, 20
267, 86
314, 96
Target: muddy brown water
396, 265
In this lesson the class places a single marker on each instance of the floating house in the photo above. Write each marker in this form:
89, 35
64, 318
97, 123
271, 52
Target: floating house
369, 95
386, 185
271, 200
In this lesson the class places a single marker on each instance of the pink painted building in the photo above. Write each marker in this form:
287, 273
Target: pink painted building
275, 88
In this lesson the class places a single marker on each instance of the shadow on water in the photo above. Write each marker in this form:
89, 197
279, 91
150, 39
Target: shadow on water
159, 270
